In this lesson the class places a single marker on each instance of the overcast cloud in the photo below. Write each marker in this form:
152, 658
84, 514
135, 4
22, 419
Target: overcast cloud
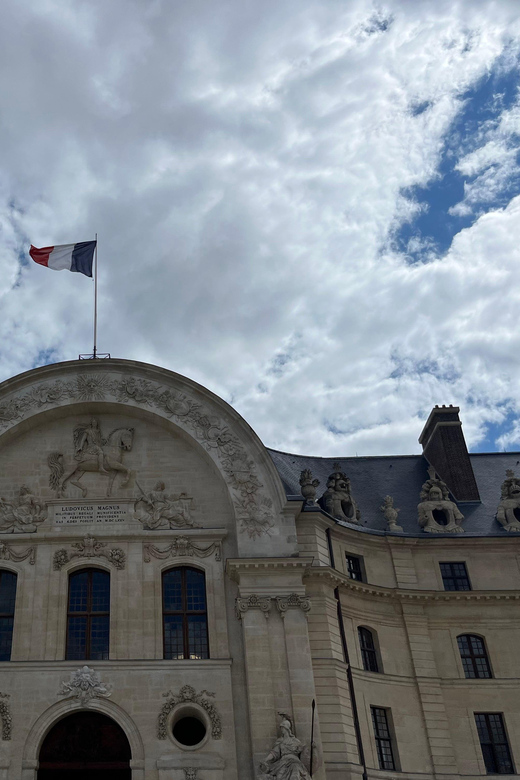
311, 207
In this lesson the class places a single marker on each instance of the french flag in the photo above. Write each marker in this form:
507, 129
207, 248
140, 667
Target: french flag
69, 257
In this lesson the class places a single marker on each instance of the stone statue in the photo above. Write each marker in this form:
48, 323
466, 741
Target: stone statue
308, 485
390, 513
286, 759
92, 453
508, 512
159, 509
337, 499
436, 513
24, 516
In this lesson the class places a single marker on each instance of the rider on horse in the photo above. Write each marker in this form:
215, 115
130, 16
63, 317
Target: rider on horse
88, 444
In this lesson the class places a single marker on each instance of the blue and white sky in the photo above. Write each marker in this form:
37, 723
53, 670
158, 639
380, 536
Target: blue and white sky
311, 207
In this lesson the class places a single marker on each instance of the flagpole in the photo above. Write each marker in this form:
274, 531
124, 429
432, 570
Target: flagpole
95, 301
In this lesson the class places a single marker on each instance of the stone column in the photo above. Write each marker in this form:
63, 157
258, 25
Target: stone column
430, 691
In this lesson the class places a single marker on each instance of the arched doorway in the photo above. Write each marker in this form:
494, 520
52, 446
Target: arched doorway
85, 746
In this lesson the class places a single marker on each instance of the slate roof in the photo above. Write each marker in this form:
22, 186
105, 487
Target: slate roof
401, 477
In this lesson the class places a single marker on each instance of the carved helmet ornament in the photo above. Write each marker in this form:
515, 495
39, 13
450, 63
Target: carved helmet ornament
436, 513
337, 499
508, 513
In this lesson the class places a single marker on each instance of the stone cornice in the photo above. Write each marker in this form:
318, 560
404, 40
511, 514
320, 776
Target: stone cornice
337, 579
265, 566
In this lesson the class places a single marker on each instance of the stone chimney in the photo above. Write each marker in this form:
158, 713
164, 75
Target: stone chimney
445, 449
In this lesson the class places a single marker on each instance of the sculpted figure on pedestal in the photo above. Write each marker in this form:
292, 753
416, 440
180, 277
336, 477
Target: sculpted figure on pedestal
508, 512
337, 499
436, 513
289, 758
159, 509
24, 516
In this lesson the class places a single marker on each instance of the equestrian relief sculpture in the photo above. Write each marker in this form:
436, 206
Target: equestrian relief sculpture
92, 453
289, 759
436, 513
508, 512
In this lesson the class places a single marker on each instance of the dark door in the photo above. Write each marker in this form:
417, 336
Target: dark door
85, 746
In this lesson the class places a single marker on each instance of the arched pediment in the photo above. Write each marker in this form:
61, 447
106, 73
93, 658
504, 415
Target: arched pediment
137, 389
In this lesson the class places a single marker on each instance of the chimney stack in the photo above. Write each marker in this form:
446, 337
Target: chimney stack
444, 447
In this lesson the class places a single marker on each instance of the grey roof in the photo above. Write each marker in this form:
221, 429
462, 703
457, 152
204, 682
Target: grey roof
401, 477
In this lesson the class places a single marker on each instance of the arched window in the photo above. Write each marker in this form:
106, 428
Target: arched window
368, 650
7, 599
88, 615
473, 656
185, 621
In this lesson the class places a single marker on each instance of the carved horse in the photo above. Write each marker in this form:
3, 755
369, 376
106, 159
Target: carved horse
119, 441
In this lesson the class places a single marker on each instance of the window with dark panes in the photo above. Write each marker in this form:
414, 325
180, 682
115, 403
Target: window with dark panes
7, 600
88, 616
185, 620
354, 567
455, 576
368, 650
385, 752
494, 744
473, 656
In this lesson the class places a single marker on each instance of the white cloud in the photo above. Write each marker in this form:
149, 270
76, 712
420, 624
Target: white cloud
243, 166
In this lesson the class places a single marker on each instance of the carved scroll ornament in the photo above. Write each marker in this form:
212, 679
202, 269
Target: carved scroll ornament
182, 547
253, 508
242, 605
90, 548
294, 601
188, 694
7, 553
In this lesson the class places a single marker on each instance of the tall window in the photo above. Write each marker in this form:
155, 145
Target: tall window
385, 752
455, 576
185, 620
354, 567
474, 657
493, 741
368, 650
7, 599
88, 615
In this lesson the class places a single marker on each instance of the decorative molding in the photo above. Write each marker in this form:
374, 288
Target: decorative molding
190, 773
294, 601
8, 554
336, 578
182, 547
22, 516
188, 694
242, 605
85, 684
254, 510
89, 548
7, 718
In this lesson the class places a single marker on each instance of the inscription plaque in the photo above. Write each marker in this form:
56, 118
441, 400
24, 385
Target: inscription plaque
91, 512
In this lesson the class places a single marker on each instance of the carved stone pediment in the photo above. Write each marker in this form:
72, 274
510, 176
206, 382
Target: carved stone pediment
436, 513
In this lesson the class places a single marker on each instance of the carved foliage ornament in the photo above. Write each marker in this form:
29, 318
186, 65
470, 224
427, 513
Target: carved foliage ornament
85, 684
7, 720
190, 773
89, 548
188, 694
182, 547
263, 603
436, 513
23, 515
254, 510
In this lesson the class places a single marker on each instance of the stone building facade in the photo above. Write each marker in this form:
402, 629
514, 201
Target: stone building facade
174, 596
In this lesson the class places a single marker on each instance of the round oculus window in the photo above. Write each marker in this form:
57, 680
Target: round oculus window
189, 730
